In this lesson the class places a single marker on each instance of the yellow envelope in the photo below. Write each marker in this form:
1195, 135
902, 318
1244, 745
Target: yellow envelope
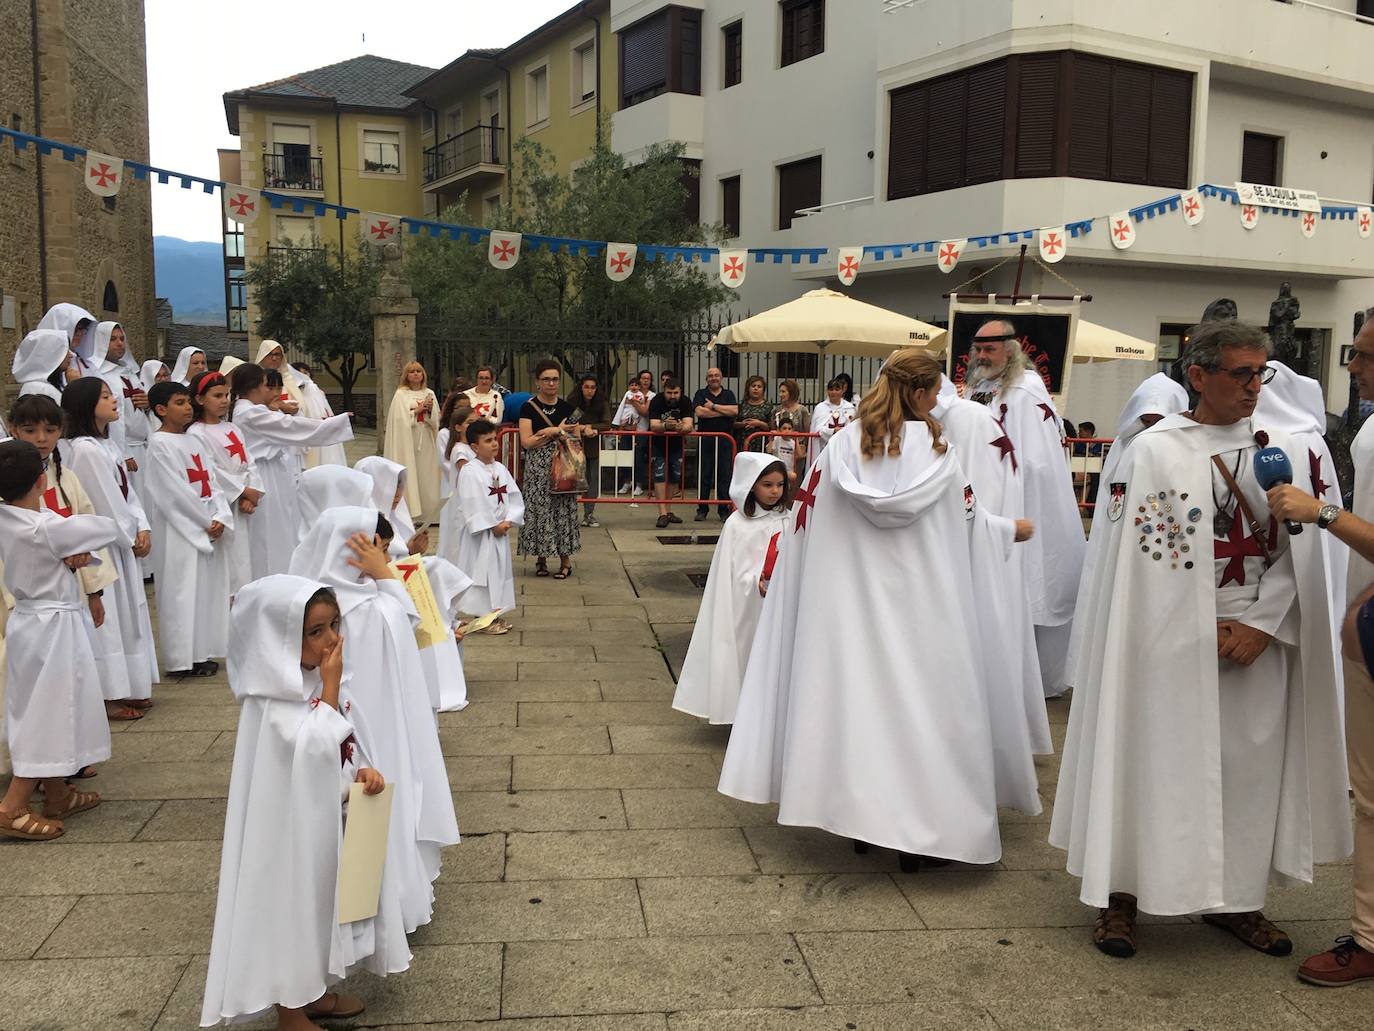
364, 853
433, 626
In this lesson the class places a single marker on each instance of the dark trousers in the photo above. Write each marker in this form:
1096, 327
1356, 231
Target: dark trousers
716, 462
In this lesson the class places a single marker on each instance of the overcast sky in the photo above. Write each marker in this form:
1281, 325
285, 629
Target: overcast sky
198, 52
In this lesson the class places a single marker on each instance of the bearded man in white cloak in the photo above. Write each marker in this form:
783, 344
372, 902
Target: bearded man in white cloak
1203, 755
1000, 377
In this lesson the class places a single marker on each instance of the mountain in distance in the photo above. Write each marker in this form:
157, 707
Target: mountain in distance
190, 274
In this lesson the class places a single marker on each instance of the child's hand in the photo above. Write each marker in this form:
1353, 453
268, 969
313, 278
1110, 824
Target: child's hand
252, 495
371, 780
460, 630
216, 530
131, 465
1025, 530
763, 588
369, 558
331, 669
78, 561
418, 543
97, 609
502, 528
143, 544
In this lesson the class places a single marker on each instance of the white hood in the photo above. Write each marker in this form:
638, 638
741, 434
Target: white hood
749, 466
147, 374
265, 629
40, 354
323, 554
332, 486
1158, 395
179, 372
890, 492
1291, 403
65, 318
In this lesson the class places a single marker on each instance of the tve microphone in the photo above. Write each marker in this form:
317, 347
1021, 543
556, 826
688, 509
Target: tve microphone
1272, 468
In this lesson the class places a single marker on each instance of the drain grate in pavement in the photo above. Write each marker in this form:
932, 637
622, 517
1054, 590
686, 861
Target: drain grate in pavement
700, 538
698, 580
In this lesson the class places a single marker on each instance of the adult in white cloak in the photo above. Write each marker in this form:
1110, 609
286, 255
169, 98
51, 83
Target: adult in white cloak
861, 713
1017, 398
709, 684
489, 497
271, 355
189, 364
277, 939
387, 696
329, 486
113, 364
1203, 755
315, 404
412, 429
76, 323
43, 363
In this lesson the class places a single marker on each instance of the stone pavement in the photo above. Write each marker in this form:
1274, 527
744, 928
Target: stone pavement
603, 885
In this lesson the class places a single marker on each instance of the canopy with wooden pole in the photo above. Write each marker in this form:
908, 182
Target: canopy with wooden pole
827, 322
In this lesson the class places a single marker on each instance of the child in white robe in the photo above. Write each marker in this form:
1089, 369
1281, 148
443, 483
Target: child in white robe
191, 514
277, 941
492, 504
387, 695
235, 471
456, 453
54, 715
91, 408
389, 498
274, 439
833, 414
329, 486
709, 684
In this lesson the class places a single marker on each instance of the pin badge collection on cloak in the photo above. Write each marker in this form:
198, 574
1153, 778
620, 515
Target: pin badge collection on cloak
1156, 518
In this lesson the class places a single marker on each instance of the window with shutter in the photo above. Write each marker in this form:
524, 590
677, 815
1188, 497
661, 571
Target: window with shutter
1171, 127
1130, 133
945, 133
985, 125
1089, 117
687, 69
1037, 96
799, 186
729, 205
906, 144
1259, 162
803, 30
1364, 8
644, 59
733, 53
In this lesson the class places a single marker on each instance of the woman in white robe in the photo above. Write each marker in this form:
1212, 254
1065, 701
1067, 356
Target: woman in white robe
271, 355
709, 683
387, 696
190, 363
277, 939
273, 439
412, 426
44, 363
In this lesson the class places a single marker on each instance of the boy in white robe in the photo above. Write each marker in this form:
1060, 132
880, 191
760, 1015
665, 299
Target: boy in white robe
277, 941
492, 504
54, 715
833, 414
191, 514
1203, 757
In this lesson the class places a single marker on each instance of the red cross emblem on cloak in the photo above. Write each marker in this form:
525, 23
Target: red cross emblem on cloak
1190, 206
771, 558
1121, 230
836, 423
849, 265
1235, 548
481, 408
949, 255
129, 389
382, 230
806, 500
235, 448
1003, 443
497, 491
103, 174
241, 204
502, 250
346, 750
1314, 466
53, 503
620, 262
734, 268
1053, 242
419, 415
199, 474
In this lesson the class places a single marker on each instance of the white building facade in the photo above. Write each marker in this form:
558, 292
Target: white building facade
900, 122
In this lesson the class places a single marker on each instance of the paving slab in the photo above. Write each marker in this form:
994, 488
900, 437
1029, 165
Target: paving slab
564, 810
478, 857
553, 910
600, 1022
647, 808
477, 773
927, 1016
186, 820
189, 779
632, 671
665, 853
163, 924
613, 771
658, 691
480, 714
685, 734
109, 821
164, 745
111, 869
24, 927
601, 714
783, 850
525, 741
538, 691
110, 994
224, 715
1156, 1011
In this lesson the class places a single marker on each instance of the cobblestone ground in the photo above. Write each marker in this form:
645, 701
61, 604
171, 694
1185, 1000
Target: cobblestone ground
603, 885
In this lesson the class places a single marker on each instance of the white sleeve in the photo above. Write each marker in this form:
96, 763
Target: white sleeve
96, 470
296, 430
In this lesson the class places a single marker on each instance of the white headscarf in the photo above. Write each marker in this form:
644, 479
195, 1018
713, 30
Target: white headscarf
1291, 403
265, 629
749, 466
41, 353
331, 486
229, 363
323, 554
290, 384
65, 318
1158, 395
147, 375
387, 478
179, 373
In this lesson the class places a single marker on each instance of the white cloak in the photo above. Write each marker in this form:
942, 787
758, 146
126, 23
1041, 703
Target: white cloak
448, 686
863, 712
488, 495
273, 439
192, 573
130, 431
41, 353
709, 684
54, 713
1139, 806
451, 522
411, 441
235, 472
277, 938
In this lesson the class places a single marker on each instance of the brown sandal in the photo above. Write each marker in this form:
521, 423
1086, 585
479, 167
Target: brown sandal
121, 713
141, 704
74, 802
1114, 932
22, 824
342, 1007
1254, 930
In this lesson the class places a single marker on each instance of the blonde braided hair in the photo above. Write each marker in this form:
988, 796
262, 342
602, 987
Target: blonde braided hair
891, 403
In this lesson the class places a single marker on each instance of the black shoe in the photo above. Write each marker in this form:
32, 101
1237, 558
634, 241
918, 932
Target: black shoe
860, 847
208, 668
663, 521
673, 518
702, 514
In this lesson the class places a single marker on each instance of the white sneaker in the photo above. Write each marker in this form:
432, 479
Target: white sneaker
625, 489
639, 492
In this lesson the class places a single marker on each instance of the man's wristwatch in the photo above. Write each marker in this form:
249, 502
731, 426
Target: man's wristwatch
1327, 515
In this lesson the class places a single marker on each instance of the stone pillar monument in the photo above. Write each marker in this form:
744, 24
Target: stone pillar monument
393, 332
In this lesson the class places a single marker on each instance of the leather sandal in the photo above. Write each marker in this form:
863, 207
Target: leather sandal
1254, 930
335, 1006
1114, 932
23, 825
75, 802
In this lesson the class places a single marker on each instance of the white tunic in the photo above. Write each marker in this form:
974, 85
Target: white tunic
410, 440
192, 575
54, 713
448, 686
828, 419
235, 472
489, 495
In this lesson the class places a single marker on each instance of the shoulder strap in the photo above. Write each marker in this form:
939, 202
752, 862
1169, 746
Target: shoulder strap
537, 408
1255, 530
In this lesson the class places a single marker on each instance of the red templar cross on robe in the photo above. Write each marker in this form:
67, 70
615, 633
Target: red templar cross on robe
806, 500
129, 389
54, 504
200, 475
836, 423
236, 449
1314, 466
497, 491
1235, 548
1047, 413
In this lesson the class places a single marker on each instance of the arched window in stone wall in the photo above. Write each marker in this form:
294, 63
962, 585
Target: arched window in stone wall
111, 300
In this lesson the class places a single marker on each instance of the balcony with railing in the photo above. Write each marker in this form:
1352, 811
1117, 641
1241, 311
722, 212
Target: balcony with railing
472, 155
287, 171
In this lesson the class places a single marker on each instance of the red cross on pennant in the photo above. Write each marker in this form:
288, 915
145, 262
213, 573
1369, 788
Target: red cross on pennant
1364, 222
1235, 548
949, 254
497, 491
849, 265
1121, 230
806, 500
503, 250
1190, 206
1309, 220
200, 475
236, 449
1249, 213
734, 268
382, 229
1314, 466
1053, 242
54, 504
242, 205
103, 174
620, 262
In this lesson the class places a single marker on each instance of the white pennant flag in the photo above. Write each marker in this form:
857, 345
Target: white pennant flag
1122, 230
104, 174
1363, 221
620, 261
847, 264
380, 230
949, 252
1309, 224
503, 248
240, 203
1192, 207
1053, 244
1249, 216
734, 266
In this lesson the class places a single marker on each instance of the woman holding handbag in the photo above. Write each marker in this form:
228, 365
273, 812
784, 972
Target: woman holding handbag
553, 465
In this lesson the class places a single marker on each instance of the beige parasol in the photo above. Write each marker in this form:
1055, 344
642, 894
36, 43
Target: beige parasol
1094, 343
827, 322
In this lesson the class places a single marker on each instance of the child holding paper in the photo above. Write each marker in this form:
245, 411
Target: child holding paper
277, 941
492, 504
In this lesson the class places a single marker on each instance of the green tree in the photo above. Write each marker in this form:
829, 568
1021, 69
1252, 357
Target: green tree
563, 304
320, 301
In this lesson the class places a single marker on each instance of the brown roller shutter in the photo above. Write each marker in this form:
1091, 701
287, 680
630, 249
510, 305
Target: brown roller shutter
1171, 120
985, 125
644, 58
945, 134
799, 186
1037, 94
1259, 161
906, 144
1090, 118
1130, 151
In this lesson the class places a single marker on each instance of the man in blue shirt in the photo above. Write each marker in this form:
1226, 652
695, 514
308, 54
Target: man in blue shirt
716, 410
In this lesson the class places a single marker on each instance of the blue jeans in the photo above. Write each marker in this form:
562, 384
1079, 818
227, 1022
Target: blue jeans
667, 458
